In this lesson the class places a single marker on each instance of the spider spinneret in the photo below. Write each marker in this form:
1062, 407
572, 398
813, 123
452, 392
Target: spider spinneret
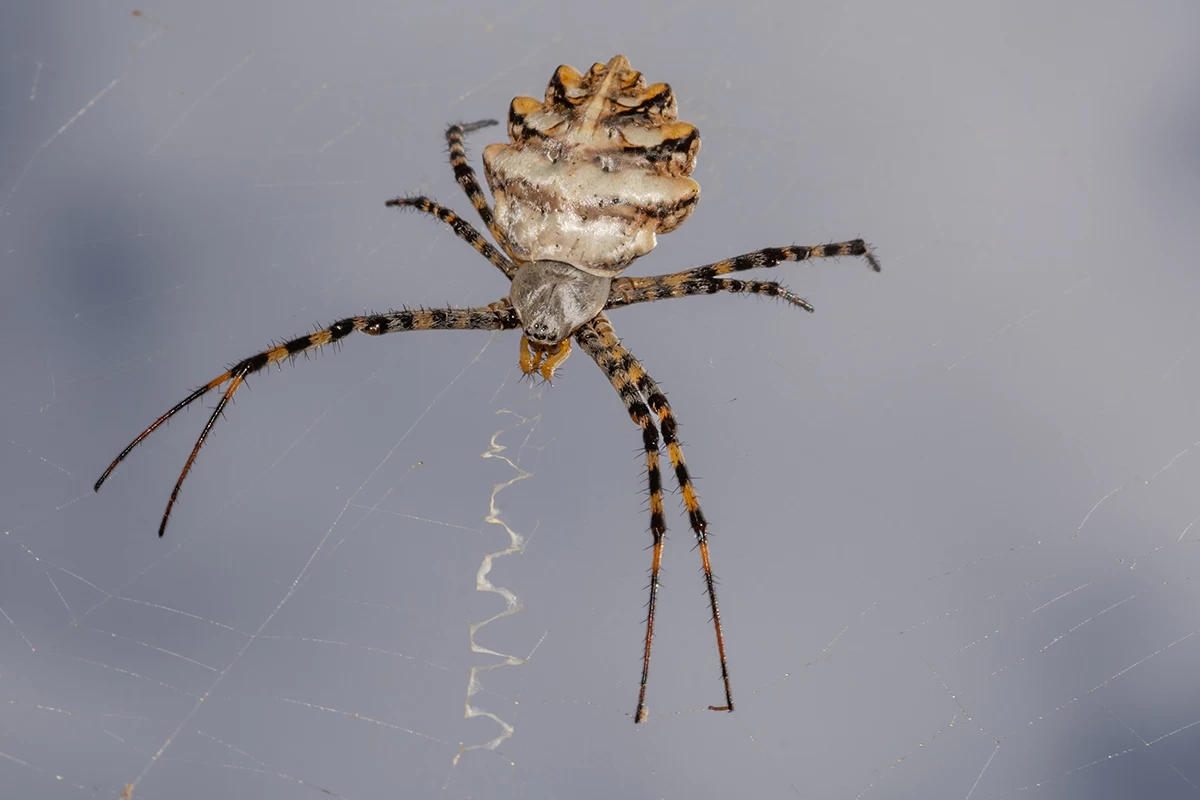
588, 179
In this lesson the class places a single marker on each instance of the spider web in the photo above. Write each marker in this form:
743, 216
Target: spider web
954, 512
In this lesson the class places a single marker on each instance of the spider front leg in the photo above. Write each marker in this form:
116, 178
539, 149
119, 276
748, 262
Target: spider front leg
708, 280
641, 394
498, 316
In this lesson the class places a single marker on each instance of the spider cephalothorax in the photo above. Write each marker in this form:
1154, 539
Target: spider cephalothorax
552, 300
588, 179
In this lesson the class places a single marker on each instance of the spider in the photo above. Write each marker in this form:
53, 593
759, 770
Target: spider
589, 177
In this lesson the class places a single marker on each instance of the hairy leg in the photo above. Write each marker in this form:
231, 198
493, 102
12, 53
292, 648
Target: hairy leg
706, 279
497, 316
465, 175
463, 229
641, 394
624, 295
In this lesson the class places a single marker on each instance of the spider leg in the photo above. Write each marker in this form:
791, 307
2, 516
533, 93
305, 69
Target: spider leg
465, 176
590, 340
463, 229
622, 294
469, 184
702, 280
642, 394
498, 316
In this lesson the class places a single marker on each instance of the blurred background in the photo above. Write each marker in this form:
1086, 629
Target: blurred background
954, 511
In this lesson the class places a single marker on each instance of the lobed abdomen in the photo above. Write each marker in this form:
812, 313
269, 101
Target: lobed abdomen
592, 174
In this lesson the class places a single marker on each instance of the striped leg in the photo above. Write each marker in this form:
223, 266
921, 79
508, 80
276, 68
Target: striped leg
497, 316
617, 371
702, 280
466, 176
641, 394
461, 227
623, 294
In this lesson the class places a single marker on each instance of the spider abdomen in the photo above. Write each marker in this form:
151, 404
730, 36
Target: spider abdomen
593, 174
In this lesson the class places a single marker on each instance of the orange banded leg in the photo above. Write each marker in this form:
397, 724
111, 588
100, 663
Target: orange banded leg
466, 176
657, 401
497, 316
623, 293
688, 282
619, 376
463, 229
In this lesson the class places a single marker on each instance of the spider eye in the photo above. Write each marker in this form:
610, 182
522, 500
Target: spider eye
541, 332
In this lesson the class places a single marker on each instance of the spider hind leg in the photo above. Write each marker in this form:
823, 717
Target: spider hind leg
463, 229
465, 175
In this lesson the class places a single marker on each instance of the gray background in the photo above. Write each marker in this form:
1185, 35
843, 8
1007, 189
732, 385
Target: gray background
954, 511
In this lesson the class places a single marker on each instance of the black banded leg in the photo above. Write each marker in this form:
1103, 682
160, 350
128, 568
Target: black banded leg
659, 287
657, 401
463, 229
497, 316
466, 176
618, 375
624, 294
600, 341
773, 256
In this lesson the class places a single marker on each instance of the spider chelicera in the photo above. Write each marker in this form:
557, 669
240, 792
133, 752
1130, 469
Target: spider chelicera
587, 180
